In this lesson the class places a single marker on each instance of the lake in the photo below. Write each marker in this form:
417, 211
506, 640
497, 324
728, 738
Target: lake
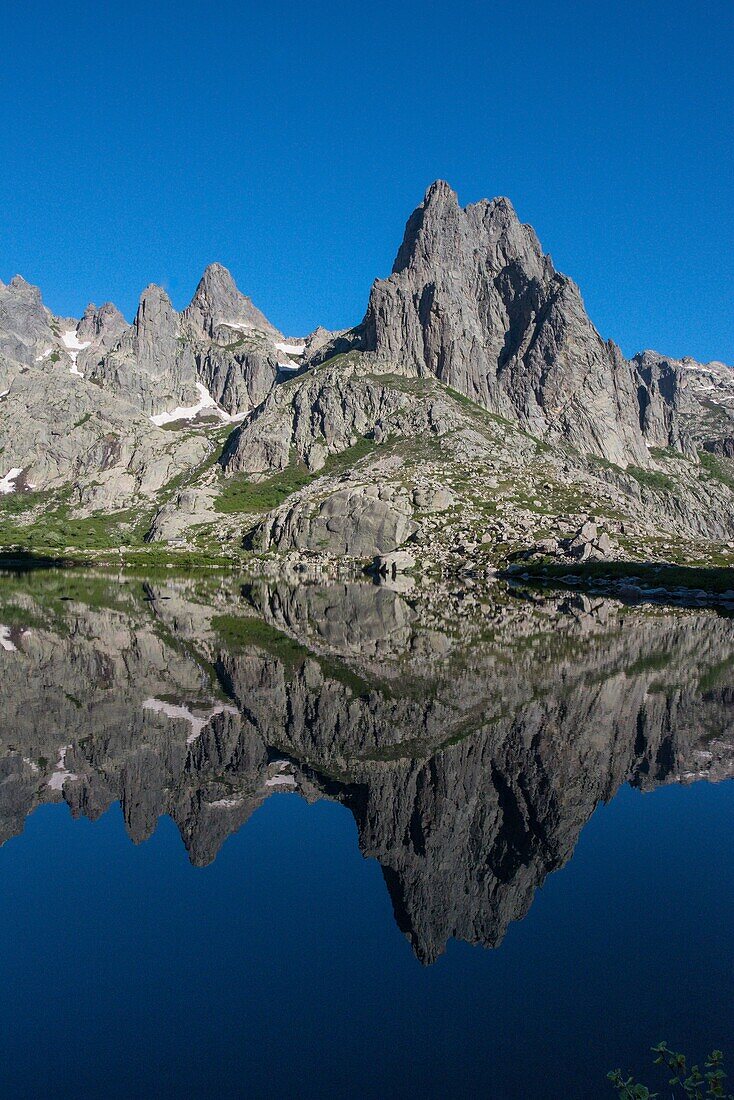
327, 840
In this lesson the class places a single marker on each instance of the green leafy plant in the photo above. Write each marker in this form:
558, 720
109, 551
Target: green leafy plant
690, 1082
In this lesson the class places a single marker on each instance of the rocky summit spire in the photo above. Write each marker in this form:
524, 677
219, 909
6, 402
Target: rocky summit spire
473, 300
25, 323
218, 310
101, 326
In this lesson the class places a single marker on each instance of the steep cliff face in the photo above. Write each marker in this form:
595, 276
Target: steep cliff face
25, 324
473, 300
688, 404
151, 366
470, 768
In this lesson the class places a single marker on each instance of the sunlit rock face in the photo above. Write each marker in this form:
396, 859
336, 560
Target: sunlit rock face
470, 749
473, 300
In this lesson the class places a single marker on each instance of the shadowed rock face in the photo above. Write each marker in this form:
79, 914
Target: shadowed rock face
470, 765
687, 402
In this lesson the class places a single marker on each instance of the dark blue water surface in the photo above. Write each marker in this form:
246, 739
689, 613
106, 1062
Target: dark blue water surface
279, 969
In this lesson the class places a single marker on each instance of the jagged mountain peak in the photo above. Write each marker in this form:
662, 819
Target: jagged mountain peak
101, 325
155, 309
19, 283
440, 228
20, 289
440, 193
473, 300
25, 323
218, 308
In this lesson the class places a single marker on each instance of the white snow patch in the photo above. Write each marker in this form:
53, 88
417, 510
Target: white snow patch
6, 642
282, 778
226, 803
192, 411
73, 346
7, 483
4, 393
44, 355
291, 349
196, 721
30, 763
61, 772
281, 781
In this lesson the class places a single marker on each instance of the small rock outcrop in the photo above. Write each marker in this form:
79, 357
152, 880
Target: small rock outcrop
587, 544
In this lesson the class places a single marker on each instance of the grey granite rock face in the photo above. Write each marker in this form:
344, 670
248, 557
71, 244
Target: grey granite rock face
61, 431
238, 377
686, 401
473, 300
233, 343
151, 366
219, 312
101, 326
724, 448
98, 331
660, 400
325, 412
320, 338
25, 323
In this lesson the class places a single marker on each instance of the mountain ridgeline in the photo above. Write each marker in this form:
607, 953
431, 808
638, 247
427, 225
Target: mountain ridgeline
475, 405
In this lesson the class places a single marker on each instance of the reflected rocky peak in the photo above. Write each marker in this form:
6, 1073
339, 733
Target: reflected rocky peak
471, 739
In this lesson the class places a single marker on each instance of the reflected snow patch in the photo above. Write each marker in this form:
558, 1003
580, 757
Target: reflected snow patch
196, 721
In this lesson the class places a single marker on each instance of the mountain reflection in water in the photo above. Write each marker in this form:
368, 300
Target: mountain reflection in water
471, 741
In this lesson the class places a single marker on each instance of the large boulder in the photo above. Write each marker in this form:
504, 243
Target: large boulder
360, 522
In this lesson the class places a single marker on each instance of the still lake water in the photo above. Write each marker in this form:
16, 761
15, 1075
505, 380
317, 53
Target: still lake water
193, 772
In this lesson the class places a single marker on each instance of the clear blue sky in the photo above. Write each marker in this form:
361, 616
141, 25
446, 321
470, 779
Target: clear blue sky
139, 141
